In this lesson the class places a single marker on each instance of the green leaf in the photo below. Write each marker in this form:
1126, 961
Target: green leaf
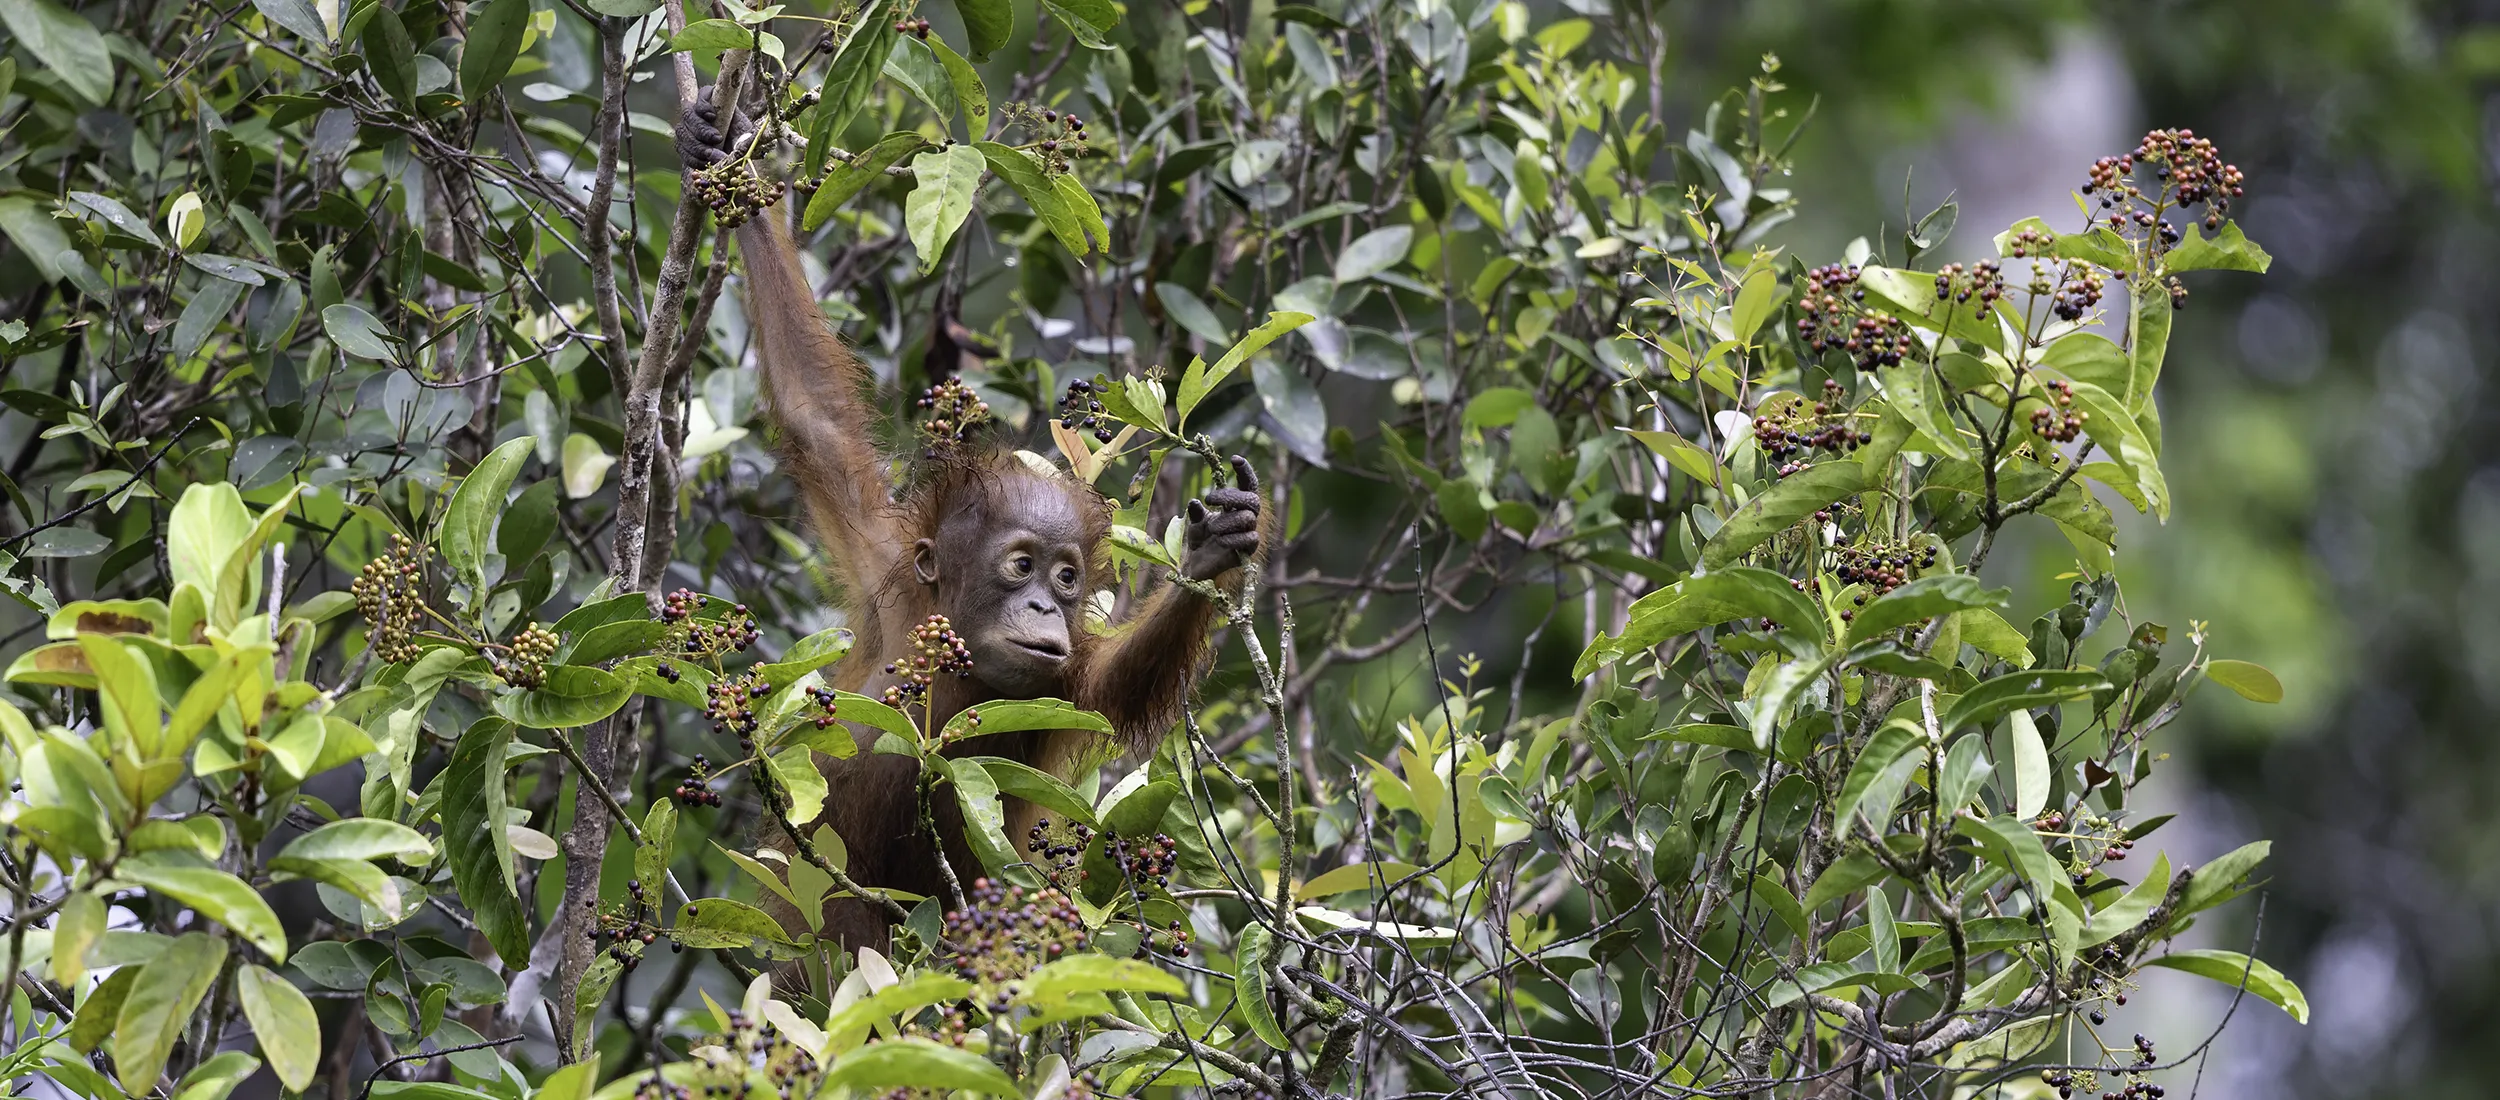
1923, 598
494, 42
102, 1009
1697, 603
985, 822
845, 1028
910, 64
216, 1078
479, 849
2012, 845
1365, 876
290, 1034
2232, 969
470, 521
2252, 681
939, 202
127, 691
808, 654
1913, 391
988, 24
1195, 317
2107, 421
1196, 385
390, 55
1989, 633
2021, 690
1497, 407
1250, 985
1324, 921
1373, 253
2131, 909
1696, 462
1098, 973
1780, 507
121, 217
856, 67
159, 1005
363, 838
712, 34
1755, 302
2227, 250
659, 842
865, 167
721, 922
1138, 812
1883, 936
79, 926
1018, 715
1086, 20
1037, 787
970, 93
2214, 883
356, 332
1872, 766
66, 43
2027, 766
219, 896
918, 1063
1026, 176
569, 696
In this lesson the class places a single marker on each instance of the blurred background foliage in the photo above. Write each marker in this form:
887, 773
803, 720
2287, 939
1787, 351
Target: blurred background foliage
2330, 428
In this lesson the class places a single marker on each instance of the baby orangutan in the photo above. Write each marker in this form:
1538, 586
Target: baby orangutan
1008, 554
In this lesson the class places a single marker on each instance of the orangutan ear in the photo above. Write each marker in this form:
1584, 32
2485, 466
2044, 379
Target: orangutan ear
924, 561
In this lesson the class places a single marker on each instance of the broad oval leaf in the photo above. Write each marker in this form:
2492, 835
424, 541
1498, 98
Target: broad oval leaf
569, 696
2232, 969
918, 1063
282, 1017
1923, 598
2037, 688
217, 895
1780, 507
2250, 680
158, 1006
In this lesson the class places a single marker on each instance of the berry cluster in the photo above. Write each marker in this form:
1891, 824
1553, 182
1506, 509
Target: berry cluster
2032, 242
1062, 136
1060, 847
1984, 280
730, 703
390, 591
2078, 294
2059, 423
1881, 567
1004, 931
1147, 862
525, 664
734, 191
625, 934
917, 28
754, 1049
2187, 170
1826, 323
1794, 427
704, 641
826, 700
954, 410
1082, 409
693, 791
655, 1087
935, 650
667, 671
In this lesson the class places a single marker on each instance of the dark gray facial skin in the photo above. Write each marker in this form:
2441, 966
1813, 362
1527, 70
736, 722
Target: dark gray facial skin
1012, 577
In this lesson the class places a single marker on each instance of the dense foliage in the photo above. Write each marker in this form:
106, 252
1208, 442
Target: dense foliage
349, 347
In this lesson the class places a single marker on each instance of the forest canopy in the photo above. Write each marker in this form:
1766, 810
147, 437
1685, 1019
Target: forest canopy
416, 628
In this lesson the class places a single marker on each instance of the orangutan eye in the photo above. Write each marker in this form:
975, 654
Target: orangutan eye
1020, 566
1067, 577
